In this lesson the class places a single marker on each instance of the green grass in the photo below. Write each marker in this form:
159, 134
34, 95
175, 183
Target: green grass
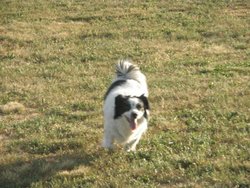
57, 59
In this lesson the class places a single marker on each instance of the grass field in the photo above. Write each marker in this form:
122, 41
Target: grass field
57, 59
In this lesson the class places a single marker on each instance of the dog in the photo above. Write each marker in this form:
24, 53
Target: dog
126, 107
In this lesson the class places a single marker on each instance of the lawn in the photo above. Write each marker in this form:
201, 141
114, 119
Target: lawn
57, 59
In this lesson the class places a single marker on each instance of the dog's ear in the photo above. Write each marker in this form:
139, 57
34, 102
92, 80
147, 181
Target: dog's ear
146, 105
121, 105
145, 101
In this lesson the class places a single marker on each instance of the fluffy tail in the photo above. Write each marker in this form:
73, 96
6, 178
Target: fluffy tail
126, 70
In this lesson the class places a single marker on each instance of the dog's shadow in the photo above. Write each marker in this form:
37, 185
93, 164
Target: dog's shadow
25, 172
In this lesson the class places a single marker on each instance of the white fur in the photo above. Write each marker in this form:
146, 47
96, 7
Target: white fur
119, 129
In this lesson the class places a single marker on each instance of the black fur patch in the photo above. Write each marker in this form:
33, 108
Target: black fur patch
113, 85
121, 105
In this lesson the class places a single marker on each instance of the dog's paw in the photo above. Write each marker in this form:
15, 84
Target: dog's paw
107, 145
129, 148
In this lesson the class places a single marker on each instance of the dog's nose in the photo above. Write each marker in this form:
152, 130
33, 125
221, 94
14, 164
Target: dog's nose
134, 115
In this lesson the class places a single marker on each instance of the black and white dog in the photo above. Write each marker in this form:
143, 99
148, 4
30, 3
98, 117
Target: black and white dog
126, 107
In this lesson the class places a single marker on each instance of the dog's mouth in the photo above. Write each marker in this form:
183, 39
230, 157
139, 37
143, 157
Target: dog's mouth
132, 123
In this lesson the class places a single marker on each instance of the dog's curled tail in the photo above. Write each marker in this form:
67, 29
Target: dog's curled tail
125, 69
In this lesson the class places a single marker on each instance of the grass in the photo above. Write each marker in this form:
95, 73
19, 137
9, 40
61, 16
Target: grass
57, 59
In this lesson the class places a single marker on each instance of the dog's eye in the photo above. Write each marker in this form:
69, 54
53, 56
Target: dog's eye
139, 106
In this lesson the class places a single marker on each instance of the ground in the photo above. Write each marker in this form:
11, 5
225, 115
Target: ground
57, 59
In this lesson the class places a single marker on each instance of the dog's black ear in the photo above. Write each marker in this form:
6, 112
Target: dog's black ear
121, 105
145, 101
146, 105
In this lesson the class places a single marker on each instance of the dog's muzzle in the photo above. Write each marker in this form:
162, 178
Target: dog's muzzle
132, 121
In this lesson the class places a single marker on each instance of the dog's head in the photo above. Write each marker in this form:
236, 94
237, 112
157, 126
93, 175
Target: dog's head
133, 109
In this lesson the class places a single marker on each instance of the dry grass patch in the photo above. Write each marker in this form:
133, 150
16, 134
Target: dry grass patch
12, 107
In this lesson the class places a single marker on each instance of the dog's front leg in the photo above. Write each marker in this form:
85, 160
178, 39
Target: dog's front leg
108, 141
132, 145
